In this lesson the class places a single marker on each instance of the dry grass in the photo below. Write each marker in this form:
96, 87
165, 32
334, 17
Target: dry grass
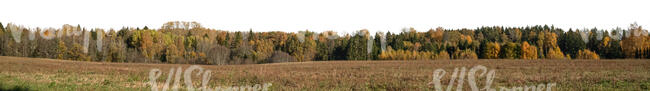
38, 74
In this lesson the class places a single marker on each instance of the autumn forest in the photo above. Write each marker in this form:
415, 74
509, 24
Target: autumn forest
180, 42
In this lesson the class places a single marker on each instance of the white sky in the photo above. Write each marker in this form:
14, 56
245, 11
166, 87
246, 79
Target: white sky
343, 16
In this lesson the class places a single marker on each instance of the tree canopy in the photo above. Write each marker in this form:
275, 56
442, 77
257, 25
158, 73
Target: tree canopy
189, 42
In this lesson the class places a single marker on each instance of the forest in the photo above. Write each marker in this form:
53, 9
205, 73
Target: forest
182, 42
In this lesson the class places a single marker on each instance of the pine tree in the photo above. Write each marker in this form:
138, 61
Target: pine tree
357, 48
571, 43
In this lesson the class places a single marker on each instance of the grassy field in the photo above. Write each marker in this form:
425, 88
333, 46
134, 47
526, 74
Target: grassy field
18, 73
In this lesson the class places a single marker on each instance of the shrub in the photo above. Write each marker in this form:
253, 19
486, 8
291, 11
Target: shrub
555, 53
279, 56
586, 54
465, 54
443, 55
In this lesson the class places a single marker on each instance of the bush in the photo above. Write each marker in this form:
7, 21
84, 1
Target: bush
443, 55
555, 53
218, 55
241, 55
279, 56
398, 55
586, 54
412, 55
465, 54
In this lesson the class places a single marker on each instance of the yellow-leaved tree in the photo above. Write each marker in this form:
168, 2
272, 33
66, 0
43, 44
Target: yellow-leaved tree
491, 50
586, 54
528, 51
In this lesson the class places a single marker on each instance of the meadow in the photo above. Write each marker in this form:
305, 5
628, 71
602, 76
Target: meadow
19, 73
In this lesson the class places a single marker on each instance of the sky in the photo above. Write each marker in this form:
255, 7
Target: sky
343, 16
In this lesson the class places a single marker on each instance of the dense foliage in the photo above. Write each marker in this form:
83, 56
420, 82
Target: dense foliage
190, 43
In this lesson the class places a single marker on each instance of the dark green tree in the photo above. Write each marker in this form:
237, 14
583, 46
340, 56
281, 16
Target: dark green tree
2, 28
571, 42
614, 50
510, 50
376, 47
357, 49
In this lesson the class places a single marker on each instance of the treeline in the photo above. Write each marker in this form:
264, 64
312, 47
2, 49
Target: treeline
190, 43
